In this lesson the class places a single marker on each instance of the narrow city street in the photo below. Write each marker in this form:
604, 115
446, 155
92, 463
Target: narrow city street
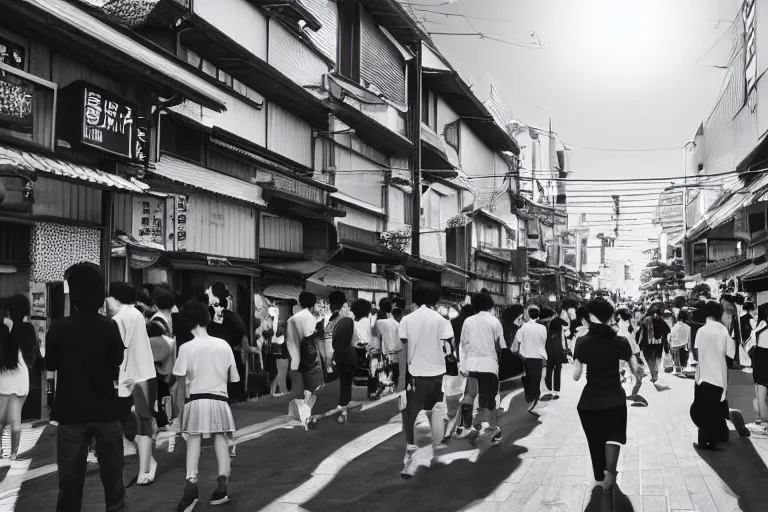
541, 465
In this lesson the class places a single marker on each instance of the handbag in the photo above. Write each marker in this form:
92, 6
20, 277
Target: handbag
451, 361
510, 364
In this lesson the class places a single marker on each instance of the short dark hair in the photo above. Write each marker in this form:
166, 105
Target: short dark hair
546, 312
164, 300
385, 305
739, 299
195, 314
749, 306
582, 314
220, 290
512, 313
145, 298
601, 309
397, 314
533, 313
482, 302
713, 309
625, 315
86, 287
398, 302
336, 299
17, 307
425, 293
567, 304
123, 292
307, 300
682, 316
361, 308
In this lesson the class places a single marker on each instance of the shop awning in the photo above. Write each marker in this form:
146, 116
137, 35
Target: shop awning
301, 268
198, 177
286, 201
348, 279
16, 159
726, 267
283, 291
62, 19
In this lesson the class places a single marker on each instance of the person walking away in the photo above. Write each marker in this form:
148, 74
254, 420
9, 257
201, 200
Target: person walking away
531, 339
747, 321
336, 300
758, 351
463, 420
391, 347
709, 410
306, 368
511, 320
731, 322
279, 386
424, 333
345, 340
137, 386
602, 407
208, 365
679, 339
482, 339
226, 325
367, 338
160, 332
557, 354
17, 344
86, 349
652, 339
627, 331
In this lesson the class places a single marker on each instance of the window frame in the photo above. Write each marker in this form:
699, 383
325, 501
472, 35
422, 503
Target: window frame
19, 40
348, 40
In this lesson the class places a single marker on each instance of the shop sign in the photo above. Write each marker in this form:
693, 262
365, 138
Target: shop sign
149, 219
16, 103
141, 144
90, 116
180, 234
453, 280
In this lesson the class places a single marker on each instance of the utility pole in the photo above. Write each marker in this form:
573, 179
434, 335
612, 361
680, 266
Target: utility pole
415, 130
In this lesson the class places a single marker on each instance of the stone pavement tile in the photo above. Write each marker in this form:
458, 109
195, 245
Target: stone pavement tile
723, 497
501, 493
652, 482
521, 496
535, 474
649, 458
703, 503
519, 472
629, 482
637, 502
677, 491
654, 503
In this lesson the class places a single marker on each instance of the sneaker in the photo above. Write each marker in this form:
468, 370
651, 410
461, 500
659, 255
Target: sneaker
556, 395
461, 432
233, 451
532, 405
220, 495
738, 421
405, 474
496, 439
473, 434
189, 498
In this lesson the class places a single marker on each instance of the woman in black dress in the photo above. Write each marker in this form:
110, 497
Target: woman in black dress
603, 404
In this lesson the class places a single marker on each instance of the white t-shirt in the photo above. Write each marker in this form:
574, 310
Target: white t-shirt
299, 326
138, 361
387, 331
424, 331
713, 344
680, 335
208, 364
630, 336
479, 336
532, 339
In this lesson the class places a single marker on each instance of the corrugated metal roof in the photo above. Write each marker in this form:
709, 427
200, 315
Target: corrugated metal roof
298, 267
348, 279
195, 176
80, 20
15, 158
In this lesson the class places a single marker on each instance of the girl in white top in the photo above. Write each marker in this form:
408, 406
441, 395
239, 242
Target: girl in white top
208, 365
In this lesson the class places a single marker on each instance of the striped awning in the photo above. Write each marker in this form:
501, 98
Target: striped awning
16, 159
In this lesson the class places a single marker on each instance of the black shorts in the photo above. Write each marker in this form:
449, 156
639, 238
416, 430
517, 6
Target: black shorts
423, 393
140, 421
487, 389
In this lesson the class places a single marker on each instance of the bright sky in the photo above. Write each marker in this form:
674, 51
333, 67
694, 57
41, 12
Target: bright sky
615, 74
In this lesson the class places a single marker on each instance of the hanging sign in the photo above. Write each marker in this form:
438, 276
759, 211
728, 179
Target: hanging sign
93, 117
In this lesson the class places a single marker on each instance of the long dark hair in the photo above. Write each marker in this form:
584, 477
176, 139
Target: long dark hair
16, 308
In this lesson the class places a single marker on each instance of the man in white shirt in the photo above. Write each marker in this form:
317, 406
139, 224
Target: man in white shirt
137, 384
482, 338
300, 339
710, 407
532, 340
425, 334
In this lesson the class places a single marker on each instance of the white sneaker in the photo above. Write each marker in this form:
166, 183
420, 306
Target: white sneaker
406, 473
233, 451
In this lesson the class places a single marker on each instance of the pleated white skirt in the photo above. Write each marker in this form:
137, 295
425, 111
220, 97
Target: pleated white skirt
205, 417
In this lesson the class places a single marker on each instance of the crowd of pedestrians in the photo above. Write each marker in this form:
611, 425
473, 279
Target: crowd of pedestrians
131, 362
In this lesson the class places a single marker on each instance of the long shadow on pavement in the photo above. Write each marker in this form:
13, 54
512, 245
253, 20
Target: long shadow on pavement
616, 501
742, 469
372, 482
265, 469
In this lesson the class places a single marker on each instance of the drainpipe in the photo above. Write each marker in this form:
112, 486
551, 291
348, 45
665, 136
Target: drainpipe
414, 121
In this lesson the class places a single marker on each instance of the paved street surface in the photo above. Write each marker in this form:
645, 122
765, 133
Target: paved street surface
542, 465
